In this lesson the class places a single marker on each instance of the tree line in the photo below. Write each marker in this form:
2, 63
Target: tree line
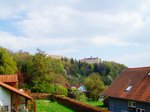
39, 72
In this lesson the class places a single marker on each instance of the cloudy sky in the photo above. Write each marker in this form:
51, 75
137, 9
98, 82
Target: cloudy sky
113, 30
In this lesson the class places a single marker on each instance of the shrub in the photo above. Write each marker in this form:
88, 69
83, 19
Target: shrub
76, 94
61, 90
82, 97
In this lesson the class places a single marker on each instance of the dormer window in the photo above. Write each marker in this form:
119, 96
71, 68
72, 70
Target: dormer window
128, 88
148, 74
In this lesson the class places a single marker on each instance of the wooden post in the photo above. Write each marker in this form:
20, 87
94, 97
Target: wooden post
26, 103
16, 103
34, 105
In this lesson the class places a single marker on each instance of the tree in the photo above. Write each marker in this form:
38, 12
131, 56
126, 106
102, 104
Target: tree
7, 64
24, 63
57, 66
59, 78
95, 68
40, 72
94, 85
71, 61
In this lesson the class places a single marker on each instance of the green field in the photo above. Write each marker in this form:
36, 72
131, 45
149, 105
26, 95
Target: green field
47, 106
95, 103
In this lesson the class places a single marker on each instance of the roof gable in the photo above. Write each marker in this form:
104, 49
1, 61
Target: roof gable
138, 79
15, 90
9, 78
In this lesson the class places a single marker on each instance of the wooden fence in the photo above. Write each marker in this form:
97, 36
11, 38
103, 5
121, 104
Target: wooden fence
40, 95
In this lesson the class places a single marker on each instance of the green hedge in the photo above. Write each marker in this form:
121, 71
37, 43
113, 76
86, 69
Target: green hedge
77, 105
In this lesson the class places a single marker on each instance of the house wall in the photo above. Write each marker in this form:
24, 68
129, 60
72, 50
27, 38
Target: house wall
117, 105
142, 105
120, 105
5, 97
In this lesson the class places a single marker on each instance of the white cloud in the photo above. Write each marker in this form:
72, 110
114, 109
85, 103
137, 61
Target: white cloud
17, 43
134, 60
9, 8
106, 40
44, 21
124, 22
49, 24
64, 51
47, 21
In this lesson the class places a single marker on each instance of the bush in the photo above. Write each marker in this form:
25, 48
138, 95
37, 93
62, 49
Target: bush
61, 90
76, 94
72, 95
82, 97
77, 105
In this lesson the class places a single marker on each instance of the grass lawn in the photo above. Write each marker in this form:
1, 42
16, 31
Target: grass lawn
95, 103
47, 106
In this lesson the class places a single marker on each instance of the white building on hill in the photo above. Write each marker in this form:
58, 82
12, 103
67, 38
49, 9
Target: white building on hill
90, 60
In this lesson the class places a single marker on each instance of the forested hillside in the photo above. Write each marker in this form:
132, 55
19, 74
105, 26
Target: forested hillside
38, 72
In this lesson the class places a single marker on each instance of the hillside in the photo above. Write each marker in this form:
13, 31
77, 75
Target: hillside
38, 72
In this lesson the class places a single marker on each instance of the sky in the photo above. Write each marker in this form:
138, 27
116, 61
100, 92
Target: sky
113, 30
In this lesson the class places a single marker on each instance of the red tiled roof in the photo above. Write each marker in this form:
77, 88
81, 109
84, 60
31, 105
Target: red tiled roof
67, 85
8, 78
15, 90
140, 81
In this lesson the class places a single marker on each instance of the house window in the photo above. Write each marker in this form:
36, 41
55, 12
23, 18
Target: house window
4, 109
128, 88
131, 104
140, 110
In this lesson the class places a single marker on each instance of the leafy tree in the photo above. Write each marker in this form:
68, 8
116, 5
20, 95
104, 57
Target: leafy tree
7, 64
94, 85
24, 63
59, 78
40, 72
57, 66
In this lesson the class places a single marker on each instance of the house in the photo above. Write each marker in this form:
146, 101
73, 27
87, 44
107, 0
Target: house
55, 56
130, 92
82, 88
12, 99
90, 60
66, 85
